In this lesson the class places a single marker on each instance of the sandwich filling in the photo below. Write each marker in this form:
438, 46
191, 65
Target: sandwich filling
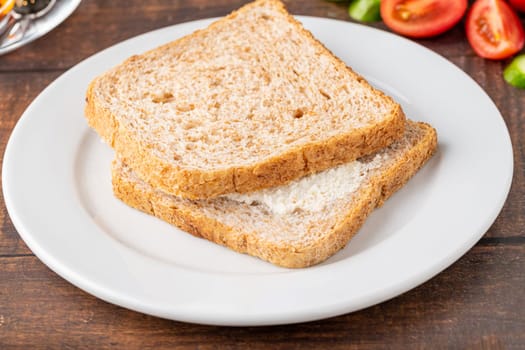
313, 192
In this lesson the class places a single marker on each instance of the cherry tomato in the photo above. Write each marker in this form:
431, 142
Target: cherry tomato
494, 30
422, 18
518, 4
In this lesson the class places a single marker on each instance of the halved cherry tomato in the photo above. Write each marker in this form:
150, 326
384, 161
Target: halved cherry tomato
518, 4
422, 18
494, 30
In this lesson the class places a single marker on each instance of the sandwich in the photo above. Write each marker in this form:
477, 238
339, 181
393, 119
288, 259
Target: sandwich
295, 225
253, 135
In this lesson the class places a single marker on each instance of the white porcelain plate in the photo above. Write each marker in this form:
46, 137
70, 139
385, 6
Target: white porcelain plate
56, 178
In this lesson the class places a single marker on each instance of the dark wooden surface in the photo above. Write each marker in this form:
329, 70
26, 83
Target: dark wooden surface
479, 302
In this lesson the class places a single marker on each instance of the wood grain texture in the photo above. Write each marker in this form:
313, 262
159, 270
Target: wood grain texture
476, 303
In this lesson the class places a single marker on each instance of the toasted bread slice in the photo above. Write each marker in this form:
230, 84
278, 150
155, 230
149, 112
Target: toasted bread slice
298, 224
251, 102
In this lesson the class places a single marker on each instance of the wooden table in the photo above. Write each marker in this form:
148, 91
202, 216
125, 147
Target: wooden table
479, 302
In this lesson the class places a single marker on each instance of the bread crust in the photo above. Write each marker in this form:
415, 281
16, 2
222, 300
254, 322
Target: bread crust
274, 171
380, 188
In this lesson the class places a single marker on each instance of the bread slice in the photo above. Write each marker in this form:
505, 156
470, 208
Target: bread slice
251, 102
295, 225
